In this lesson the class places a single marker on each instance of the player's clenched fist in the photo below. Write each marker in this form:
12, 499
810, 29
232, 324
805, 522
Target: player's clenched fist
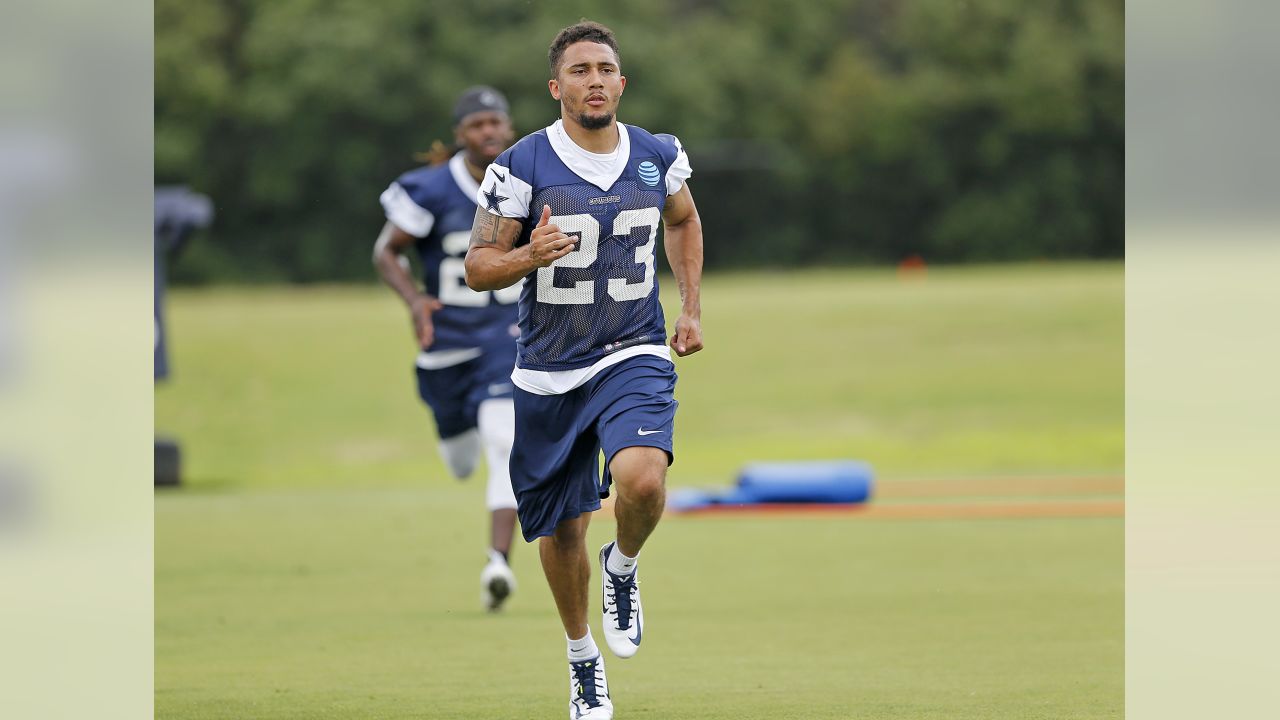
546, 243
688, 337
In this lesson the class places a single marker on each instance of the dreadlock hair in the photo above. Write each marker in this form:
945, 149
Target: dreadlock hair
437, 154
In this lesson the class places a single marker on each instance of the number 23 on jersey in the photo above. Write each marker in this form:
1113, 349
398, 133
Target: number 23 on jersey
588, 230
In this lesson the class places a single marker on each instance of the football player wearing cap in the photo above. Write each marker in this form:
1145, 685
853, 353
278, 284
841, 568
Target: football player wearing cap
466, 339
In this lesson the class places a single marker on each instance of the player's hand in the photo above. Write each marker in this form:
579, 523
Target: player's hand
421, 309
688, 336
546, 243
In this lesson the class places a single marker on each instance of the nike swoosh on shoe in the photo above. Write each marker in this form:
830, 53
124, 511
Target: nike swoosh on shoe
639, 630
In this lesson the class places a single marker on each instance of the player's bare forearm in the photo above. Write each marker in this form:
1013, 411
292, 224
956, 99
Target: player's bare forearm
389, 261
493, 262
396, 277
492, 269
684, 253
683, 242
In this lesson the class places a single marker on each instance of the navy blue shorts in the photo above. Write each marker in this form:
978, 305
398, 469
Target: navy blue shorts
555, 462
454, 393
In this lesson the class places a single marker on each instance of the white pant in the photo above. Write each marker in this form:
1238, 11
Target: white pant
496, 419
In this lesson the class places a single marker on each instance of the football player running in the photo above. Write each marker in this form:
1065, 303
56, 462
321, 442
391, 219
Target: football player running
570, 215
465, 338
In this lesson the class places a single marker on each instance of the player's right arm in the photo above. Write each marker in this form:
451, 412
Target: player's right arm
494, 262
389, 259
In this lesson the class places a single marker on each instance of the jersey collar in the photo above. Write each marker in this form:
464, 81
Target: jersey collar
466, 183
601, 170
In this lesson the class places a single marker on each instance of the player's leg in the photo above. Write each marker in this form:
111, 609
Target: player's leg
443, 391
501, 529
636, 434
496, 421
567, 565
461, 453
553, 473
640, 477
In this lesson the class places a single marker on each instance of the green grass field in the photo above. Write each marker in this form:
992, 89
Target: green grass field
319, 564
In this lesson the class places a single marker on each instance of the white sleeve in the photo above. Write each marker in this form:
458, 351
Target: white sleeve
502, 193
404, 213
679, 171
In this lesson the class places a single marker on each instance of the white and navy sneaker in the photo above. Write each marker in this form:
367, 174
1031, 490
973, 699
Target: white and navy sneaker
497, 582
623, 616
589, 691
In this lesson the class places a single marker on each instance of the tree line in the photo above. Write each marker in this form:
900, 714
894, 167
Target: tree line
820, 132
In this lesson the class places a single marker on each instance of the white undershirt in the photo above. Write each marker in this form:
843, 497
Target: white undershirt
599, 169
541, 382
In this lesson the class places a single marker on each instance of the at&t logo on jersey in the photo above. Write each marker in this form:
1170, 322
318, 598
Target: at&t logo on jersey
649, 173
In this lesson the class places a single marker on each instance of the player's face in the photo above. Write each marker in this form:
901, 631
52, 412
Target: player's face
484, 135
589, 84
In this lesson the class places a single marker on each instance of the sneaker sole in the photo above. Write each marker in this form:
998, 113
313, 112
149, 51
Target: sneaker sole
499, 590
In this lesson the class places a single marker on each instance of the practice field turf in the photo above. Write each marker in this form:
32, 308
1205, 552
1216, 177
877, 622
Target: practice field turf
319, 564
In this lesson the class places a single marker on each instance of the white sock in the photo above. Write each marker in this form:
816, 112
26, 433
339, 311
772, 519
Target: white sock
620, 564
583, 648
496, 557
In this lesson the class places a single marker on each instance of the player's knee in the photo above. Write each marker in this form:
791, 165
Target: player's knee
652, 490
641, 474
648, 486
461, 453
568, 535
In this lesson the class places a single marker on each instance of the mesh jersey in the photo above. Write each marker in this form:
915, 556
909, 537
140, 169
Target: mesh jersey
437, 206
603, 296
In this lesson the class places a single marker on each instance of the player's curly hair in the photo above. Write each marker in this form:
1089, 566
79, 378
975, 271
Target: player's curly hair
583, 30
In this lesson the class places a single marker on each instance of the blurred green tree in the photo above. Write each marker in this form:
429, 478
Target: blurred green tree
827, 131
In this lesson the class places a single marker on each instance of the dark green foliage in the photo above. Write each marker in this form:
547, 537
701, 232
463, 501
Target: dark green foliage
820, 132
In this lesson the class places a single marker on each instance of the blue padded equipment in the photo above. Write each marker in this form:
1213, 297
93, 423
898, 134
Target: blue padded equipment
813, 482
840, 481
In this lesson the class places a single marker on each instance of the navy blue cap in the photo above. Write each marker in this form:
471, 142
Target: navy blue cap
480, 98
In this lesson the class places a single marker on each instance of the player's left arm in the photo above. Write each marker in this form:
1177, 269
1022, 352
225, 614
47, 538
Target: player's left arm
683, 241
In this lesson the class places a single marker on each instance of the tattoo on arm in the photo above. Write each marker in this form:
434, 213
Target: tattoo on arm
484, 229
491, 231
493, 236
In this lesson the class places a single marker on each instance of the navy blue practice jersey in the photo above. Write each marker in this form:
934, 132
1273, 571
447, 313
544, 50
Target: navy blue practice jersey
603, 296
437, 206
